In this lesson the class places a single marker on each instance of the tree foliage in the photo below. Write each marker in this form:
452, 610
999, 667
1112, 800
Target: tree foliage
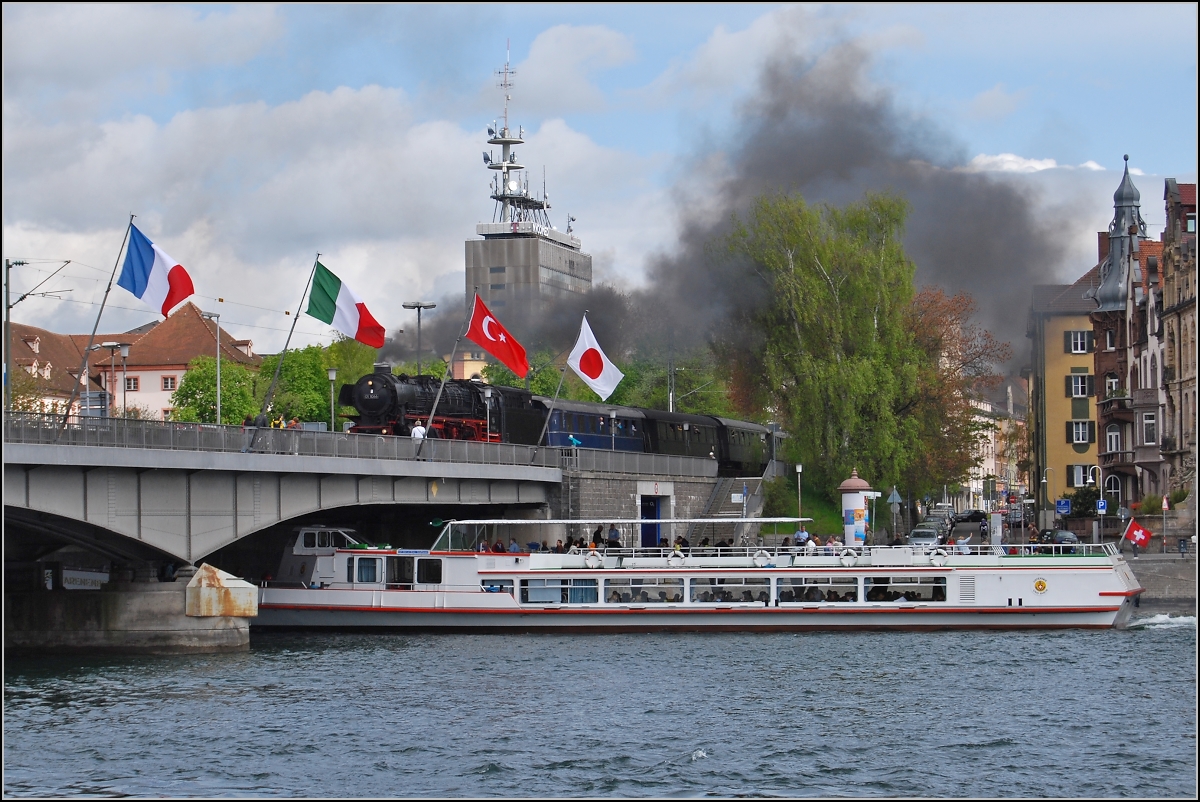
863, 371
303, 388
196, 397
836, 361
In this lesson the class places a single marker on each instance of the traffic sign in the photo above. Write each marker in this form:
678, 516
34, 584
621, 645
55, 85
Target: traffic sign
1101, 506
1063, 506
1165, 506
894, 498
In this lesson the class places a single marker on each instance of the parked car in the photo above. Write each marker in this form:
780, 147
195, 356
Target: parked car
971, 516
923, 536
940, 525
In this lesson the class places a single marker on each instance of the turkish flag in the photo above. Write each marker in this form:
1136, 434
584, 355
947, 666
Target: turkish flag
592, 365
1139, 534
486, 332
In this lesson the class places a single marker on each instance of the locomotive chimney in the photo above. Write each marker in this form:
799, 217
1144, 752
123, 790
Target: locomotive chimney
383, 367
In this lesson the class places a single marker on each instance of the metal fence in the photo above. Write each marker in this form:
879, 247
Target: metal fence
24, 427
172, 436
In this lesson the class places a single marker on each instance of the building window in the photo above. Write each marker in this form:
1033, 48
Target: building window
1080, 385
1077, 342
1081, 432
1110, 339
1112, 486
131, 384
1111, 385
168, 383
497, 287
495, 269
1149, 430
167, 414
1077, 475
1112, 437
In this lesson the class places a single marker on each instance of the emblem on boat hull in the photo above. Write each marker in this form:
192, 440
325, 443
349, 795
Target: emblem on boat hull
1039, 585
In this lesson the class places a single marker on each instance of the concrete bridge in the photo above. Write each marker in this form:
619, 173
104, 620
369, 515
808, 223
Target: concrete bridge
147, 490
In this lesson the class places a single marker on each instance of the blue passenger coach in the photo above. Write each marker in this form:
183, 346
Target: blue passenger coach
576, 424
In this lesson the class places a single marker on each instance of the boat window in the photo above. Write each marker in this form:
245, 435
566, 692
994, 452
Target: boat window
730, 589
368, 569
817, 588
559, 591
349, 569
310, 540
429, 572
400, 571
323, 540
905, 588
643, 590
497, 586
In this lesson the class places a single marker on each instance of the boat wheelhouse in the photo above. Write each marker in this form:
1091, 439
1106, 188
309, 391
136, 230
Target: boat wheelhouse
461, 584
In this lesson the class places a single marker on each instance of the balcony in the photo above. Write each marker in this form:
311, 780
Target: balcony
1147, 456
1145, 399
1116, 459
1115, 408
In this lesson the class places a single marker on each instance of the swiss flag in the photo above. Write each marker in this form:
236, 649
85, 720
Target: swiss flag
1139, 534
592, 365
486, 332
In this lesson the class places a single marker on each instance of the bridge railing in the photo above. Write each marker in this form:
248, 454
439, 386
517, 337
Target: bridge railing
600, 461
20, 427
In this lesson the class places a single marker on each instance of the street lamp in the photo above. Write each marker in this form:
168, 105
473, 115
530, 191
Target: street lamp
125, 380
487, 401
216, 317
612, 427
418, 305
332, 378
1052, 486
1092, 481
111, 375
799, 493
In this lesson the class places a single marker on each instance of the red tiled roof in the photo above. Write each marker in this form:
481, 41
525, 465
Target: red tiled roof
1187, 194
60, 350
1066, 299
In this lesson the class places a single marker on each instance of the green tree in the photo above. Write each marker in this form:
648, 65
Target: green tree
303, 389
196, 397
429, 367
836, 361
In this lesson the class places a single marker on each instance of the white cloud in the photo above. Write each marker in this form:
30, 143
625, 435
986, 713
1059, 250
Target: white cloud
70, 52
1012, 163
244, 196
996, 103
556, 76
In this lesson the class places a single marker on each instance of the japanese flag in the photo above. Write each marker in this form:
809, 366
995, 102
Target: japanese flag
1137, 533
592, 365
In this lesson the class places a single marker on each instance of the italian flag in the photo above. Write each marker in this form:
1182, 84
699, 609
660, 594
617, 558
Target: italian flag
332, 302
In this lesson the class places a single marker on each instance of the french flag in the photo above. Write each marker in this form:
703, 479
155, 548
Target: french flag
157, 279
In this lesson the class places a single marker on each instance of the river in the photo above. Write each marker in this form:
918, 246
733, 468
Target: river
1073, 713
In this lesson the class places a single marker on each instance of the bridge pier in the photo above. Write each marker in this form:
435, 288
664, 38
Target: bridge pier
139, 617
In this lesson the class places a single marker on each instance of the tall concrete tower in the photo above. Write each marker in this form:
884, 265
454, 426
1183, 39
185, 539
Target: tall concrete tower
522, 260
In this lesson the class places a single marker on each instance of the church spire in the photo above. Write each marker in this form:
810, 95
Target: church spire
1126, 228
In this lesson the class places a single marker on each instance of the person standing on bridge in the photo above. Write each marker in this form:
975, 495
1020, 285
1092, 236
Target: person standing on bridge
418, 432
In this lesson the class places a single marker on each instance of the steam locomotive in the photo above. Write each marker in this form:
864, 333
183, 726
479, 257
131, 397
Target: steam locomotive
471, 410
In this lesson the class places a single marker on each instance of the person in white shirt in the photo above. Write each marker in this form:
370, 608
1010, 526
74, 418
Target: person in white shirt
418, 431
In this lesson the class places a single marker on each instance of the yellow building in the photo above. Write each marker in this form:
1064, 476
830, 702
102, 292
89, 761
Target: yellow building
1062, 391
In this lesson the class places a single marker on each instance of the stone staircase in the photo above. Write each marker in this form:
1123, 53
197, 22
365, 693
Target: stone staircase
721, 507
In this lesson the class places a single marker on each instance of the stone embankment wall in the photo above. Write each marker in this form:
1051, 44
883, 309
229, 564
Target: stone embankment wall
1169, 580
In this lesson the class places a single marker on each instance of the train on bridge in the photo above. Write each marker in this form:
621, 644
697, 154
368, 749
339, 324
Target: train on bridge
389, 404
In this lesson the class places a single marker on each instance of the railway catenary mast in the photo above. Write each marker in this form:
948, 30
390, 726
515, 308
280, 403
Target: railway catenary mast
522, 260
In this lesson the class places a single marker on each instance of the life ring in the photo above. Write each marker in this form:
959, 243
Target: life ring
675, 559
762, 558
938, 557
593, 560
849, 558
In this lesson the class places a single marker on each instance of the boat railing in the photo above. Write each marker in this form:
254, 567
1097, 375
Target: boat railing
798, 554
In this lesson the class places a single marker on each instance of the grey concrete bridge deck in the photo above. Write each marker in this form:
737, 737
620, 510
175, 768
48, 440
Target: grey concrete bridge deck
187, 490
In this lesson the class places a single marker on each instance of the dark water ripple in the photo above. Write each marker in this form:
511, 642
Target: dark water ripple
970, 714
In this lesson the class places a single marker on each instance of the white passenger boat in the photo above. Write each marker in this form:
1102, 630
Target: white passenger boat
327, 580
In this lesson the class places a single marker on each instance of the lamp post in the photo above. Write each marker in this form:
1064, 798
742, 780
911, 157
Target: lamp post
125, 380
216, 318
1092, 481
418, 305
612, 427
487, 402
1048, 498
111, 375
332, 378
799, 493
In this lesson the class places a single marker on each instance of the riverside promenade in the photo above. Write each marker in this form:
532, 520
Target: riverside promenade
1169, 580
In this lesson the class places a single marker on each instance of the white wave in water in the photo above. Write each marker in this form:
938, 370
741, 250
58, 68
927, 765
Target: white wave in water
1163, 621
699, 753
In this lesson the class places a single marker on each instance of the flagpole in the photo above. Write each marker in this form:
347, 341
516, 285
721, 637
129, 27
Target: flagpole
279, 365
82, 376
446, 375
562, 375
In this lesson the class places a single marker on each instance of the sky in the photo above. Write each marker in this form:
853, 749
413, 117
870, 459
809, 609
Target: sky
247, 139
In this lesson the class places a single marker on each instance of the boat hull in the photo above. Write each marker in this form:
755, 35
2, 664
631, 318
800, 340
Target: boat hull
311, 614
